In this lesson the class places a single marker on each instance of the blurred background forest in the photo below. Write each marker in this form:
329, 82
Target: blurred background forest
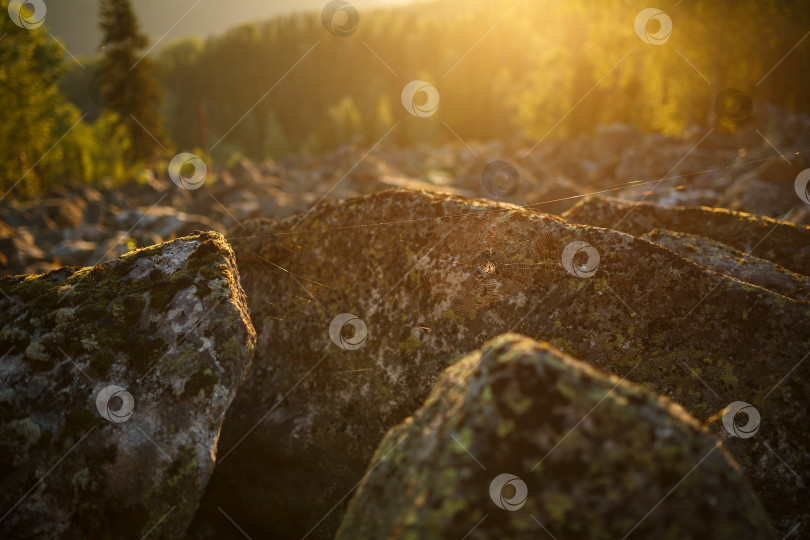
504, 71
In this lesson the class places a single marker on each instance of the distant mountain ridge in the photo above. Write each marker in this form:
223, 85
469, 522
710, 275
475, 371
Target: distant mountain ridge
76, 22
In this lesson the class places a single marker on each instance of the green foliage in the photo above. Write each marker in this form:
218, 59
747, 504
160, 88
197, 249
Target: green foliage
127, 80
45, 140
524, 76
541, 69
344, 120
30, 66
91, 151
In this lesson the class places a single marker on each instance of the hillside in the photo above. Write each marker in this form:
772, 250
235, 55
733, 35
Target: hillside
74, 22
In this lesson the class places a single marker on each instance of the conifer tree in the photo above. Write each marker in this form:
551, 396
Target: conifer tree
30, 67
126, 82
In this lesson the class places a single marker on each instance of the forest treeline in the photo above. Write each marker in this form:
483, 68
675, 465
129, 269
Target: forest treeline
502, 70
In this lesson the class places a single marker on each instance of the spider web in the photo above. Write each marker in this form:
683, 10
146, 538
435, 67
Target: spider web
478, 259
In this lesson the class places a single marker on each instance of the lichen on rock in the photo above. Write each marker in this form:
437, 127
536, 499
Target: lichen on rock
525, 441
782, 242
311, 414
103, 437
732, 262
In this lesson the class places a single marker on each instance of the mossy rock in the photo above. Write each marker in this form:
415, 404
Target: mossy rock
526, 442
434, 276
71, 466
781, 242
732, 262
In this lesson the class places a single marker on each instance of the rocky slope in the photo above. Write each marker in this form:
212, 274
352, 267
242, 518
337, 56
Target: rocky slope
361, 304
526, 442
114, 382
424, 278
86, 225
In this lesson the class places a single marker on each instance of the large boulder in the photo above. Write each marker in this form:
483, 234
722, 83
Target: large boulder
732, 262
525, 442
431, 276
782, 242
114, 382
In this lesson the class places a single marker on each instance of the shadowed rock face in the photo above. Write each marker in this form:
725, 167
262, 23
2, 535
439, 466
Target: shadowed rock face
311, 413
781, 242
585, 456
113, 387
732, 262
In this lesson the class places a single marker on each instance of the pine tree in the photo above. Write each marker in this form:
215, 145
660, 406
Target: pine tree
30, 67
126, 82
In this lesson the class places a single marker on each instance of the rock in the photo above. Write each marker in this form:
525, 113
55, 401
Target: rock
247, 207
18, 249
766, 190
389, 180
432, 276
801, 215
734, 263
739, 171
246, 173
95, 208
116, 246
91, 233
113, 386
750, 194
611, 140
72, 252
661, 157
554, 195
165, 222
52, 213
782, 127
524, 442
781, 242
62, 212
41, 267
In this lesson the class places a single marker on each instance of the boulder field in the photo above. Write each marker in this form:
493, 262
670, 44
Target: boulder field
361, 304
423, 365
